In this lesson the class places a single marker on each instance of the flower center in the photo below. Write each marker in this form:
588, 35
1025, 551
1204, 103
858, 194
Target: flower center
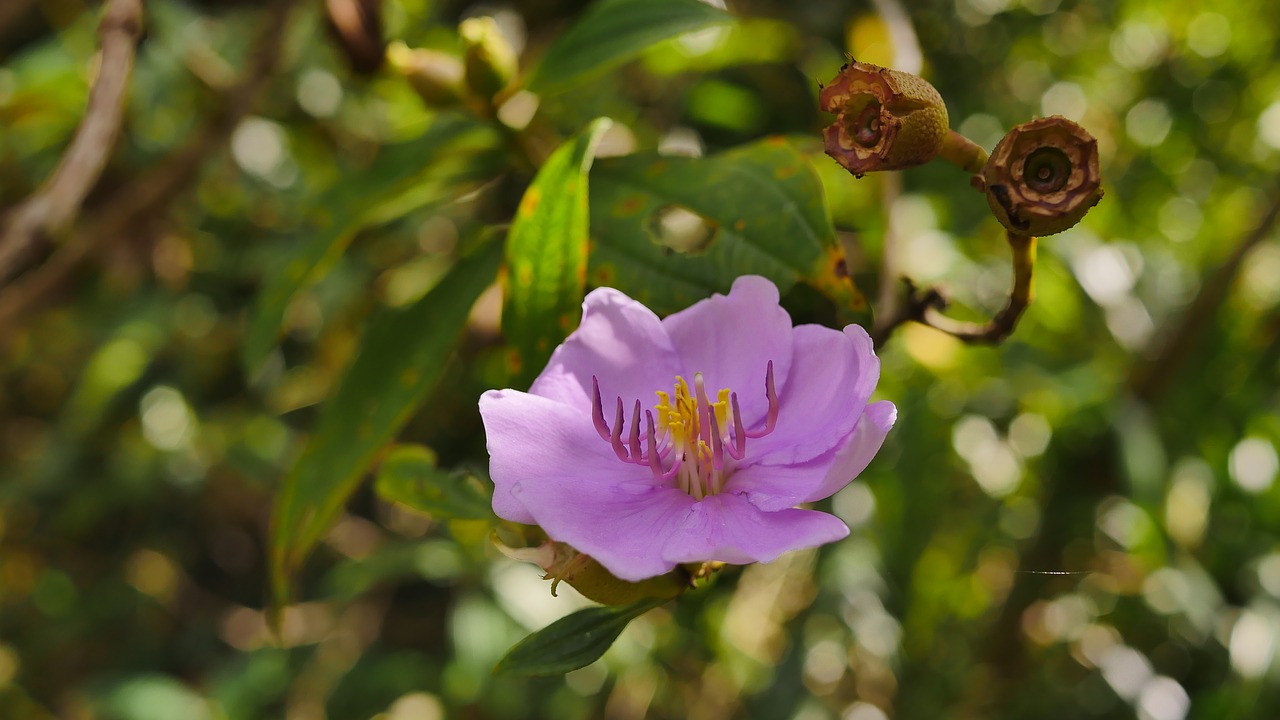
693, 441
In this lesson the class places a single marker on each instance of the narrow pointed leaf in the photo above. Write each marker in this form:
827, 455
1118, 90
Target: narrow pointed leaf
448, 159
402, 356
547, 252
573, 641
613, 31
409, 475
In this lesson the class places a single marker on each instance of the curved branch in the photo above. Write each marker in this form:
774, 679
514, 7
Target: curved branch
926, 306
52, 209
149, 194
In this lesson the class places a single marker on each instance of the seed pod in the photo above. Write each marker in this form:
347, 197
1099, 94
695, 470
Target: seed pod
1043, 176
885, 119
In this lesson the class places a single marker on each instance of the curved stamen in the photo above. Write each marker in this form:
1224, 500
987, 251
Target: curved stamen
704, 408
634, 441
615, 439
597, 411
655, 457
739, 447
717, 446
771, 420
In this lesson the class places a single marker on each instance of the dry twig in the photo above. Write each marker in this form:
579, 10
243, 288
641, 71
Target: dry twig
52, 209
925, 306
149, 194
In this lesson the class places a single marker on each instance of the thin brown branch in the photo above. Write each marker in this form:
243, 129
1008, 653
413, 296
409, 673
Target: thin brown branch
925, 306
52, 209
150, 194
1150, 379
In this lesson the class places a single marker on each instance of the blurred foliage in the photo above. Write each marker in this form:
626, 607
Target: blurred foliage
1049, 531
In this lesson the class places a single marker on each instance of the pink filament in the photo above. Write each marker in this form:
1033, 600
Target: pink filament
709, 477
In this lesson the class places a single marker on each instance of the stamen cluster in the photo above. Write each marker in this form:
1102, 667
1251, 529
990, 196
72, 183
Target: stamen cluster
691, 436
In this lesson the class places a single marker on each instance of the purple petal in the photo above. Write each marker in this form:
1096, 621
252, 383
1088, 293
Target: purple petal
536, 444
832, 378
856, 455
774, 487
731, 338
728, 528
619, 341
623, 525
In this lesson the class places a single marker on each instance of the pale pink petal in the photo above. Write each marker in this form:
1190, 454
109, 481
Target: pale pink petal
536, 444
730, 529
857, 454
774, 487
731, 338
619, 341
622, 525
832, 378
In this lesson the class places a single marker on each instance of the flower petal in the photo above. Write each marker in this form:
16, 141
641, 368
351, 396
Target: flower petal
728, 528
856, 455
731, 338
832, 378
619, 341
536, 444
774, 487
623, 525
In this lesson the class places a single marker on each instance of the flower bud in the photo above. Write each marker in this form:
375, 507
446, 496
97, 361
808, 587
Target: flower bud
1043, 176
436, 76
885, 119
490, 61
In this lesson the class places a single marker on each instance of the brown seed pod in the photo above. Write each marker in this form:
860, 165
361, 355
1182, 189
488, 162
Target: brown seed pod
885, 119
1043, 176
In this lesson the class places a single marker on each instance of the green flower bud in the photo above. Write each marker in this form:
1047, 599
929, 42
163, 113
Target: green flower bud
1043, 176
885, 119
490, 61
434, 75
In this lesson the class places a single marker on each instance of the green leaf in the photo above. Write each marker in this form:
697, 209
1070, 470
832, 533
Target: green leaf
573, 641
671, 230
448, 159
613, 31
547, 251
401, 356
409, 476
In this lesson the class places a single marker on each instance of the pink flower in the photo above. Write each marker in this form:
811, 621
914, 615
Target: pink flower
646, 443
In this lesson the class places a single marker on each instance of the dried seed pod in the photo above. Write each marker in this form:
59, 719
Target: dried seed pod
1043, 176
885, 119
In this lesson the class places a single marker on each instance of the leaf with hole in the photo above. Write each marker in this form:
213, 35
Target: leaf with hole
669, 231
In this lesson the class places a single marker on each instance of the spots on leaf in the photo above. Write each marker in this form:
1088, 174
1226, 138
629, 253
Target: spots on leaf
529, 203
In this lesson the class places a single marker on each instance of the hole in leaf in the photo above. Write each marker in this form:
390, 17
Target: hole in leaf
681, 230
